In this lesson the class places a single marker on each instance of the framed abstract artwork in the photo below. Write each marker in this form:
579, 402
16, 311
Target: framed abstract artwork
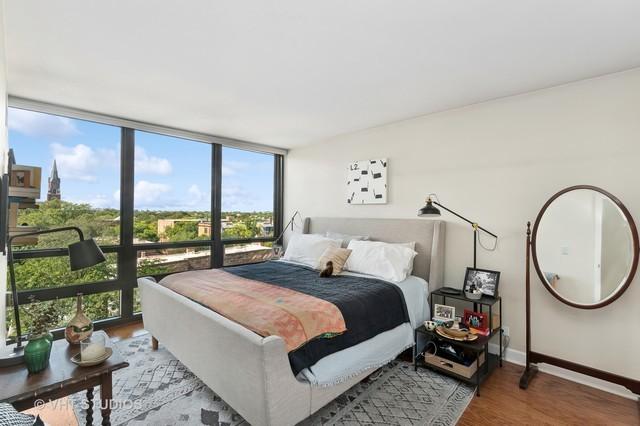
367, 182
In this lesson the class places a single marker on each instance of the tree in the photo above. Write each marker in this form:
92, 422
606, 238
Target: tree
147, 230
95, 223
238, 230
182, 231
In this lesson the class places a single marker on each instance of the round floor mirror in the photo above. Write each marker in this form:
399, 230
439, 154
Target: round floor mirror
585, 247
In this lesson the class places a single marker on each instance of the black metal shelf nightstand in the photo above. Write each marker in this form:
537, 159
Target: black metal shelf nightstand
477, 346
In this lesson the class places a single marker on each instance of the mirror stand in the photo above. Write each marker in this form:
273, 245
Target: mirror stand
533, 358
529, 369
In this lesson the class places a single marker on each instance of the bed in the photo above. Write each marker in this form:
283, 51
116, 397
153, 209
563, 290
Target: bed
253, 373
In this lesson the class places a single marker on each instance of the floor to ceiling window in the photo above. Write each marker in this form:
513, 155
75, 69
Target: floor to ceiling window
172, 203
247, 194
155, 204
64, 172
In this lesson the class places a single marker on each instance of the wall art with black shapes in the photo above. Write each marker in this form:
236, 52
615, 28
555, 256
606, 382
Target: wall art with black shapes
367, 182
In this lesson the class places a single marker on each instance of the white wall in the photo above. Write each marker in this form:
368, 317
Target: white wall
498, 162
3, 163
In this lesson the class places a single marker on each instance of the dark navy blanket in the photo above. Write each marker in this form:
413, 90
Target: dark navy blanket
369, 306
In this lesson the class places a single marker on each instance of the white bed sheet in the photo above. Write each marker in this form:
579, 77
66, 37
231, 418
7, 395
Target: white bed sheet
378, 350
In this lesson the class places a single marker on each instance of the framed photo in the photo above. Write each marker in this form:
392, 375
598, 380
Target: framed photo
482, 279
476, 320
21, 178
444, 312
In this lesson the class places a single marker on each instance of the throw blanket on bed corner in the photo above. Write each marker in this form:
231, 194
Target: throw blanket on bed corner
265, 309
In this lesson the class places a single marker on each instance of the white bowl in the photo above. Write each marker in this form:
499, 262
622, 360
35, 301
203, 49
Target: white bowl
473, 296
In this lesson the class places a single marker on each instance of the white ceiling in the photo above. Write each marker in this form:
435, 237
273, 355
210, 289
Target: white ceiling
290, 72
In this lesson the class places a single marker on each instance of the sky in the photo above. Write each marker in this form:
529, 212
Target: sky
170, 173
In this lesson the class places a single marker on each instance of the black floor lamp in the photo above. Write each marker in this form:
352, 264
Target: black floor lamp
82, 254
431, 211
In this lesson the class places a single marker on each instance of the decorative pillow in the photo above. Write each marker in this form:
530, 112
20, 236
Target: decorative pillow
346, 238
392, 262
307, 248
338, 257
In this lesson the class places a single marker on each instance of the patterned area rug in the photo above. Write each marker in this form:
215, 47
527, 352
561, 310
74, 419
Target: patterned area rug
157, 389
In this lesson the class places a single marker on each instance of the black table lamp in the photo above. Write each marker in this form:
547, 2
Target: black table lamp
82, 254
429, 210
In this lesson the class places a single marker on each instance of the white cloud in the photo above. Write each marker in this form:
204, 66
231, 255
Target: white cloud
75, 162
98, 201
160, 196
36, 124
232, 168
80, 162
236, 198
197, 197
150, 194
146, 163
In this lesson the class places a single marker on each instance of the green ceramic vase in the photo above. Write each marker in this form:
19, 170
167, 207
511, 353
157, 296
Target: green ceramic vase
49, 337
37, 352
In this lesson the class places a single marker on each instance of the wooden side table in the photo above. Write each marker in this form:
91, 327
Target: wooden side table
61, 378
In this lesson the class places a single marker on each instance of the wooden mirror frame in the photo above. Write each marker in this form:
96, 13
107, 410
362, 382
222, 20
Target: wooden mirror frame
636, 249
532, 357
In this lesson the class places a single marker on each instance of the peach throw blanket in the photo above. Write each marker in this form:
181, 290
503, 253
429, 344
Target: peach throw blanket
266, 309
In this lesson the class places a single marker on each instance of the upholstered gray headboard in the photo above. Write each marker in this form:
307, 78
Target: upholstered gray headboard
429, 236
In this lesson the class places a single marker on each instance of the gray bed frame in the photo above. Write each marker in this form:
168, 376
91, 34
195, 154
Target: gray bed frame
252, 373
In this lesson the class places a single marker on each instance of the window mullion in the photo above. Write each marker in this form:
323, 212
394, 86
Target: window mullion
217, 248
127, 261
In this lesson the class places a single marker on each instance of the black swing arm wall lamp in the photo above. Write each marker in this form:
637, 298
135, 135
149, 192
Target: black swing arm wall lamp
430, 210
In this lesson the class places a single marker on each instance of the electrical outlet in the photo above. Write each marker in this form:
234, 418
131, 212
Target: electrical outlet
505, 330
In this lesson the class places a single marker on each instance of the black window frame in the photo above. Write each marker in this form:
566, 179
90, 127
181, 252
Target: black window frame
126, 250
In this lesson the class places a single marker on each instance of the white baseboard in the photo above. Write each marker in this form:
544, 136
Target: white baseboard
519, 357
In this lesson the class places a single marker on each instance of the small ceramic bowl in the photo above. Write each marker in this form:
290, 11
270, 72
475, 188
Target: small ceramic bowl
430, 325
473, 296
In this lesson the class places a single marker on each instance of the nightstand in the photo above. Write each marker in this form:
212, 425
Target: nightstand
479, 346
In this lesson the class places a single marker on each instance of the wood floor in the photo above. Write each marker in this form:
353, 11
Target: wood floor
548, 401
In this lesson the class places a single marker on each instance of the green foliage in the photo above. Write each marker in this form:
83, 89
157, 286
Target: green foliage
54, 272
104, 226
183, 231
96, 306
151, 267
146, 231
238, 230
44, 316
95, 223
146, 222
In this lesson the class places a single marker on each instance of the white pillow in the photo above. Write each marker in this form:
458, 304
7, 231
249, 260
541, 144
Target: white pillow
411, 245
307, 248
346, 238
392, 262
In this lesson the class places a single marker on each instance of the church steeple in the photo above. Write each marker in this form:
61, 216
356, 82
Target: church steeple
54, 184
